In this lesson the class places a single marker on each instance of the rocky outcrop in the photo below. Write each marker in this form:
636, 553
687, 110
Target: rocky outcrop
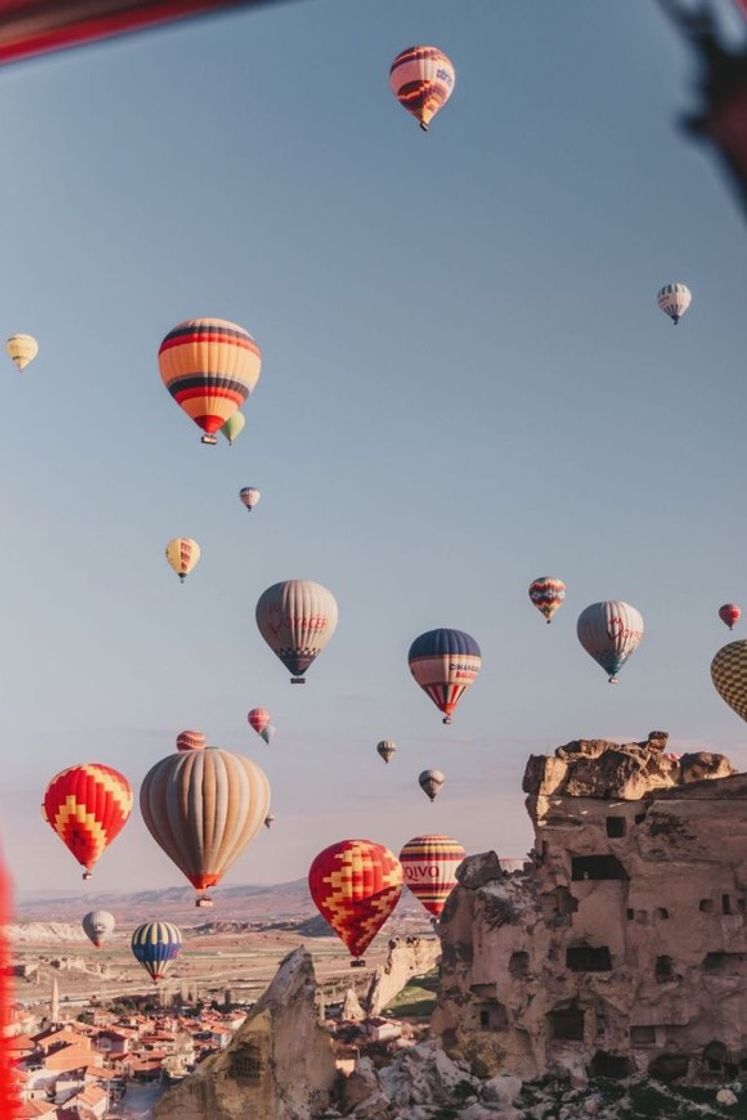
407, 957
622, 949
279, 1065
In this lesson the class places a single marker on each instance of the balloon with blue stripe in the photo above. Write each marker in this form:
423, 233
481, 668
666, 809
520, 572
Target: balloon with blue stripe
445, 663
156, 945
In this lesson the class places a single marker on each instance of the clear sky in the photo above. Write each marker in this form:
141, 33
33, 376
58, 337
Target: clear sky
466, 384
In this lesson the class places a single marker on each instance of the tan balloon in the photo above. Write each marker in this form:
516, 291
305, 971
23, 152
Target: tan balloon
203, 807
296, 619
22, 349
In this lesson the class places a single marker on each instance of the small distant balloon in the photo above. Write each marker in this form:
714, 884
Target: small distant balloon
387, 748
445, 663
422, 79
269, 820
98, 926
183, 555
729, 614
431, 782
674, 300
156, 945
610, 632
190, 741
22, 349
547, 594
258, 719
250, 496
233, 427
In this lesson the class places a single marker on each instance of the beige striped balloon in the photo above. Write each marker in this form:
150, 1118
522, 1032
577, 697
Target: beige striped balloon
203, 807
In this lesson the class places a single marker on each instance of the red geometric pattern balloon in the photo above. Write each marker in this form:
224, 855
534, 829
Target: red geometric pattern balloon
87, 806
355, 886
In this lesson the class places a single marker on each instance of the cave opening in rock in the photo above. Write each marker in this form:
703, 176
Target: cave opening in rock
663, 969
493, 1016
567, 1024
643, 1036
669, 1067
596, 867
615, 827
518, 965
246, 1064
614, 1066
588, 958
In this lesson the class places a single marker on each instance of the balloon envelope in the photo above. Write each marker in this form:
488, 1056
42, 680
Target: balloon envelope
674, 300
729, 676
430, 782
190, 741
422, 79
429, 865
387, 748
22, 349
355, 886
156, 945
268, 733
258, 719
98, 926
445, 663
87, 806
296, 619
233, 427
210, 366
547, 593
183, 555
610, 632
203, 807
250, 496
729, 614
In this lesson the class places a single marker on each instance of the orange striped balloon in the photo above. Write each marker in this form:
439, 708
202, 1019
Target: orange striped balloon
422, 79
355, 886
190, 741
429, 864
210, 366
87, 806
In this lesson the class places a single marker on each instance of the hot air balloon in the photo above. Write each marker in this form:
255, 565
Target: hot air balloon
269, 820
190, 741
233, 427
431, 782
547, 594
296, 619
203, 806
210, 366
250, 496
155, 945
183, 555
422, 79
22, 349
610, 632
98, 926
87, 806
258, 719
729, 614
267, 733
387, 748
355, 885
445, 663
729, 676
429, 865
674, 300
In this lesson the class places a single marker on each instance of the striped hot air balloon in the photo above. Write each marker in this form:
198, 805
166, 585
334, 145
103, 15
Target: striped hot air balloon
445, 663
233, 427
190, 741
156, 945
210, 366
87, 806
22, 349
98, 926
387, 748
259, 719
674, 300
547, 594
355, 885
429, 865
183, 554
431, 781
203, 807
610, 632
249, 497
296, 619
729, 614
422, 79
729, 676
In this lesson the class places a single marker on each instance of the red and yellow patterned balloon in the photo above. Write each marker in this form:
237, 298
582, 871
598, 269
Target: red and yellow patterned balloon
429, 864
355, 885
87, 806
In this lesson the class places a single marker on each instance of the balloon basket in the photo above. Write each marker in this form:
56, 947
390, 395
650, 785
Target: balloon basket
613, 680
424, 126
204, 903
297, 680
446, 720
358, 963
87, 874
209, 440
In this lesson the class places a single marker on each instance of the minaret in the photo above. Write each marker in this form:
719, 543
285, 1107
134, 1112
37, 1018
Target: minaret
55, 1009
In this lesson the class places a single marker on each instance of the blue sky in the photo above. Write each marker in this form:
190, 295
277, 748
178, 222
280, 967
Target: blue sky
466, 384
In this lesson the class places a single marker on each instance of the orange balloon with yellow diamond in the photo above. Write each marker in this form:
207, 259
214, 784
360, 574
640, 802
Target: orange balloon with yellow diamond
87, 806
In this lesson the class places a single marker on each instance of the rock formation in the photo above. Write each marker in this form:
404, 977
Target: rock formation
279, 1065
407, 957
623, 949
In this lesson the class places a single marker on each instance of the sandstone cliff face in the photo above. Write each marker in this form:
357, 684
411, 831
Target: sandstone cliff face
279, 1065
412, 956
624, 947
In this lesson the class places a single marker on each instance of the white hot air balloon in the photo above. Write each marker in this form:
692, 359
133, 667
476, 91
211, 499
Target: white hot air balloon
296, 619
610, 632
674, 300
249, 496
98, 926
